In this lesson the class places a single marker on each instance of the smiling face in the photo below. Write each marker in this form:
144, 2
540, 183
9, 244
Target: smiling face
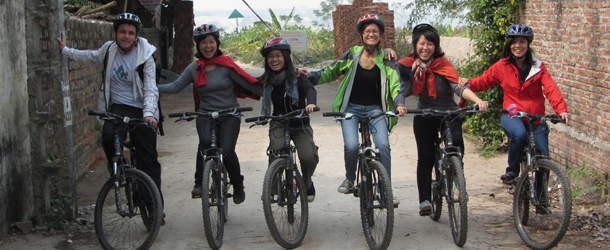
126, 35
275, 59
519, 46
425, 49
371, 35
208, 47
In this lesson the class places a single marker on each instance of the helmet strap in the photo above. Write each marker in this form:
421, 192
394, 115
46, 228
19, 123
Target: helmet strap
128, 49
370, 49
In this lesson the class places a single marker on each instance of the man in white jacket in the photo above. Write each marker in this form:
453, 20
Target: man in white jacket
124, 92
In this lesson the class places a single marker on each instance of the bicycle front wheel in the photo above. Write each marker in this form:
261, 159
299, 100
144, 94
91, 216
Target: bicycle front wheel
119, 223
457, 201
549, 209
286, 209
213, 205
376, 206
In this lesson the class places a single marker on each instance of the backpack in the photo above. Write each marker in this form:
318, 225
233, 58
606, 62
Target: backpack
140, 70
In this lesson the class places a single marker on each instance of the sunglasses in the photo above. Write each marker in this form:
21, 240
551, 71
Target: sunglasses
424, 26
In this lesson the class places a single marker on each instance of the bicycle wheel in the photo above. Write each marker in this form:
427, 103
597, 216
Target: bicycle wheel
457, 201
436, 199
120, 225
225, 190
286, 210
376, 206
212, 205
549, 210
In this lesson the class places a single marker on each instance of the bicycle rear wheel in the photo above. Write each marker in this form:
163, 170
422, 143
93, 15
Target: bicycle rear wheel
376, 206
124, 228
286, 210
212, 205
457, 201
436, 199
550, 209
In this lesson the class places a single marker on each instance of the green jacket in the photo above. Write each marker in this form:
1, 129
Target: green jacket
347, 63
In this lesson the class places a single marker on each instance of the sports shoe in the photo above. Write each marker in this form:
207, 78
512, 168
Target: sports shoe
145, 216
346, 187
197, 191
239, 195
508, 178
396, 201
425, 208
311, 193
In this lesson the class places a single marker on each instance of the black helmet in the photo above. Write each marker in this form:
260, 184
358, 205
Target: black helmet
127, 18
423, 26
275, 43
205, 29
370, 18
520, 30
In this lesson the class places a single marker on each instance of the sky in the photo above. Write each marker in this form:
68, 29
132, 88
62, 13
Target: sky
218, 11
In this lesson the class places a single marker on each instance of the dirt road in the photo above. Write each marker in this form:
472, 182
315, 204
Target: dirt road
334, 218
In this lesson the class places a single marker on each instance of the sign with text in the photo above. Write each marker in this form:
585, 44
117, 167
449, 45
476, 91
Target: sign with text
296, 38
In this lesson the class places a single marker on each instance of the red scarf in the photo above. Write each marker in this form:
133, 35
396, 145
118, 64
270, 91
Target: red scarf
224, 61
440, 65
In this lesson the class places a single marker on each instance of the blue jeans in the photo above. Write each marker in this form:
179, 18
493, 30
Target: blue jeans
516, 131
379, 130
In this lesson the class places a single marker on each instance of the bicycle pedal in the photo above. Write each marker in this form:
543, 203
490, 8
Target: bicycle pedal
196, 196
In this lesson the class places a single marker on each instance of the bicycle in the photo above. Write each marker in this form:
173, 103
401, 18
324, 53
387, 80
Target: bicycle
214, 182
116, 216
373, 185
541, 211
284, 191
448, 175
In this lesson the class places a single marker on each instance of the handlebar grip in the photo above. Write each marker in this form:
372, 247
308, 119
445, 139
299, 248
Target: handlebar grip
333, 114
505, 111
244, 109
172, 115
252, 119
316, 109
97, 113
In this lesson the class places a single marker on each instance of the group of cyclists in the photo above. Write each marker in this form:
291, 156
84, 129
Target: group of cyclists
372, 82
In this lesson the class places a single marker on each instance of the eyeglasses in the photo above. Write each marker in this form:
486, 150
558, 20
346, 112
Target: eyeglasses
367, 32
276, 56
424, 26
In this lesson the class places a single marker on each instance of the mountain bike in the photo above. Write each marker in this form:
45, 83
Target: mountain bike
373, 186
542, 204
128, 210
215, 186
284, 191
448, 175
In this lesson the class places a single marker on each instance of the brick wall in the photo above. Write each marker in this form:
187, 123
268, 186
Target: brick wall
183, 37
571, 39
345, 18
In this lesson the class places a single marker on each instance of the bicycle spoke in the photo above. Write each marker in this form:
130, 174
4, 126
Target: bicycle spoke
376, 206
213, 221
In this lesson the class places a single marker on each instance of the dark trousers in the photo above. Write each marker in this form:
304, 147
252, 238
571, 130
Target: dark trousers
227, 133
143, 138
426, 131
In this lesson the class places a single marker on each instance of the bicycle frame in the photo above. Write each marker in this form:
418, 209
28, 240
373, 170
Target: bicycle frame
443, 153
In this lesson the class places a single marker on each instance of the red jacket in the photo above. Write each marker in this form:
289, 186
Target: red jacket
528, 98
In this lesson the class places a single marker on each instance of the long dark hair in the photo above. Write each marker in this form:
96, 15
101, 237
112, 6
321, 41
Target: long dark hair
431, 36
511, 59
288, 67
218, 51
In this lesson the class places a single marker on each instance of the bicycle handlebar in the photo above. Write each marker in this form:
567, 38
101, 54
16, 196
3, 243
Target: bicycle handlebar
348, 116
229, 111
469, 109
112, 116
534, 118
296, 114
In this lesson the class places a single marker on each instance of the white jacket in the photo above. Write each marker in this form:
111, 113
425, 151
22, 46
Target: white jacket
146, 92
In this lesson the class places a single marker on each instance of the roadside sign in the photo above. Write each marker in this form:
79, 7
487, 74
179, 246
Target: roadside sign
296, 38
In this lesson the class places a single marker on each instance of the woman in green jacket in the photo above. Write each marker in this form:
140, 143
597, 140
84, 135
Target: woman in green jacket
371, 85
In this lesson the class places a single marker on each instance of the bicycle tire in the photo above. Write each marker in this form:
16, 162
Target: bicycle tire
376, 206
116, 231
549, 216
287, 220
436, 197
225, 191
458, 216
212, 205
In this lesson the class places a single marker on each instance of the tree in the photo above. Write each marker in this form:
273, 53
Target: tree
325, 13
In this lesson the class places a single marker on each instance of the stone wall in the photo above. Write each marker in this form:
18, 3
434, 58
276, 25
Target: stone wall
184, 21
345, 18
15, 171
571, 39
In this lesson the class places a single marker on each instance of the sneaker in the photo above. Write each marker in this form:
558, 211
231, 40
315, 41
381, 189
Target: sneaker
197, 191
146, 219
425, 208
346, 187
396, 201
239, 195
311, 193
508, 178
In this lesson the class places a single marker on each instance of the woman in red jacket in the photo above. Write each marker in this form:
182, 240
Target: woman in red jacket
525, 81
